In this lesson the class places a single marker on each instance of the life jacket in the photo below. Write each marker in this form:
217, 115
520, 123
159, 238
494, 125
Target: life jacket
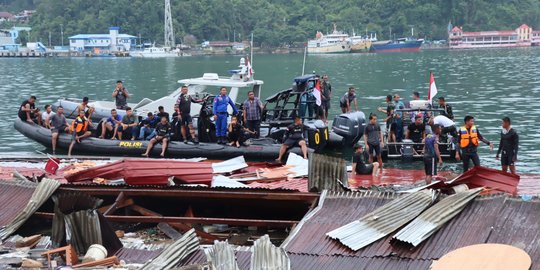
80, 124
468, 137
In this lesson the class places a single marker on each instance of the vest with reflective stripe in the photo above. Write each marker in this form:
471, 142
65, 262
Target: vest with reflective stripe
79, 124
468, 137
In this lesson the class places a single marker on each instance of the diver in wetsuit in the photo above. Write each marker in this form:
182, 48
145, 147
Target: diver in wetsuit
508, 146
294, 135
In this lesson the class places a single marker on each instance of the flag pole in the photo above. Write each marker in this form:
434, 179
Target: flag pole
304, 63
251, 49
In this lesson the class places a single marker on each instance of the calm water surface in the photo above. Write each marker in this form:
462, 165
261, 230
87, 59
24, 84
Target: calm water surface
488, 84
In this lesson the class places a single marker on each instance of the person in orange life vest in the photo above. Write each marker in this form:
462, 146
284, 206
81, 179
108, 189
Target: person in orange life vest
468, 139
79, 129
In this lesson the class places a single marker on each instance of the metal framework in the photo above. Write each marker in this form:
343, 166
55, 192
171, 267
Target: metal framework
169, 33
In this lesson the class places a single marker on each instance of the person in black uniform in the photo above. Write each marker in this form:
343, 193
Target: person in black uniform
184, 104
236, 132
163, 132
447, 108
508, 146
28, 112
359, 165
294, 135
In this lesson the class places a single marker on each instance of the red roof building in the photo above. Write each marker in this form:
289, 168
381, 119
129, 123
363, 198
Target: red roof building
6, 16
523, 36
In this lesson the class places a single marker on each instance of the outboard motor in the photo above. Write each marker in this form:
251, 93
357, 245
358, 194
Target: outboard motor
350, 126
317, 135
407, 150
206, 129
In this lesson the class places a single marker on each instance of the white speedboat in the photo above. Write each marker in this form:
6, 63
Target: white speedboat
158, 52
239, 83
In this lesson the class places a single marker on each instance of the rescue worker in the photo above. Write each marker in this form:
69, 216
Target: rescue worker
374, 140
28, 111
221, 103
468, 138
87, 109
163, 133
447, 108
294, 135
184, 114
508, 146
120, 95
79, 130
359, 166
347, 100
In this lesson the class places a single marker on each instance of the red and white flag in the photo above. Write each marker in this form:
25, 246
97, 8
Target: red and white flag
317, 93
249, 69
432, 87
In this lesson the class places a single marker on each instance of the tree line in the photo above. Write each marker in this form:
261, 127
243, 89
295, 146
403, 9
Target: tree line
275, 22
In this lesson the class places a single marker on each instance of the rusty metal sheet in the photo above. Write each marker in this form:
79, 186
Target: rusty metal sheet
133, 255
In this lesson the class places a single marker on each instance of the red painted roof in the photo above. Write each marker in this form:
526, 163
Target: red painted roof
148, 172
7, 15
489, 178
456, 29
490, 33
524, 26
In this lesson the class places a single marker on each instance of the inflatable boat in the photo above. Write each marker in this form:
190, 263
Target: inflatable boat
257, 150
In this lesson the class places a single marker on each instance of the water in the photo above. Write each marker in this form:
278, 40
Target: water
488, 84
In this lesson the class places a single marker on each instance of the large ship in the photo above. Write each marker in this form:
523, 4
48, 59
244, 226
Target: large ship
359, 44
337, 42
398, 45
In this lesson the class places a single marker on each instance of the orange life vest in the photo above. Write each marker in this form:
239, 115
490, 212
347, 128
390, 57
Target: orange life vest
468, 136
79, 124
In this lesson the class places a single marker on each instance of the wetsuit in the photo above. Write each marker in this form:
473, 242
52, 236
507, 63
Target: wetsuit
22, 114
163, 131
294, 134
361, 167
237, 133
508, 146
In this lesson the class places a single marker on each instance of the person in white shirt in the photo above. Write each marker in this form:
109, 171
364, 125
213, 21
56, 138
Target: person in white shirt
447, 125
46, 114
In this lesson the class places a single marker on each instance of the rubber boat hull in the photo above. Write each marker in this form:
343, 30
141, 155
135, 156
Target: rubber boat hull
106, 147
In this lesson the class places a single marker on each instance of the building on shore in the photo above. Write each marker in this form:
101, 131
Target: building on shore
6, 16
523, 36
101, 43
8, 38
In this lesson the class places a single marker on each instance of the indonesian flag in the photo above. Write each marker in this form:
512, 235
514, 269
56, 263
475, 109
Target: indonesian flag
317, 93
432, 87
249, 69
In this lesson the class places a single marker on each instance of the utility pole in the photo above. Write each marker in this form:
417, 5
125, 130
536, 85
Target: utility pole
62, 34
49, 39
169, 33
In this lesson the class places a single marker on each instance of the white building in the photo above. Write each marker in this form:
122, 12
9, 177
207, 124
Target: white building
112, 42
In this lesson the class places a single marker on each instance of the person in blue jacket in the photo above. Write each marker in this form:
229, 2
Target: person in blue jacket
221, 103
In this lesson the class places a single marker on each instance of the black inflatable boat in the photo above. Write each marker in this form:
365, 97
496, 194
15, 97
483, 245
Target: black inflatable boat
257, 150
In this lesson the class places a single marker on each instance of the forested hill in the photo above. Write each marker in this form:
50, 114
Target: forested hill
277, 22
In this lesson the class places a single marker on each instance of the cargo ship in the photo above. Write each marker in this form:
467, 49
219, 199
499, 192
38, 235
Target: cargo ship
359, 44
398, 45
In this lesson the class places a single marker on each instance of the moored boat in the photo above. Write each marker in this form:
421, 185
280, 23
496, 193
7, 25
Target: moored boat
398, 45
336, 42
158, 52
359, 44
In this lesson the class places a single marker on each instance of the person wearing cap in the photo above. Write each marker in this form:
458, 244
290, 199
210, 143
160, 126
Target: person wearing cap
28, 111
87, 109
447, 108
398, 117
508, 146
347, 99
416, 131
432, 154
294, 136
120, 94
359, 165
468, 139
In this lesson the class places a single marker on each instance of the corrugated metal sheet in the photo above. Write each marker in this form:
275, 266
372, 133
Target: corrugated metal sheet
435, 217
383, 221
222, 256
293, 184
310, 262
76, 221
133, 255
325, 171
14, 195
496, 219
174, 253
243, 259
266, 256
519, 226
41, 193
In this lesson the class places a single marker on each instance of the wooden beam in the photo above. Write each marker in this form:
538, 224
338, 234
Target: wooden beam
195, 220
121, 201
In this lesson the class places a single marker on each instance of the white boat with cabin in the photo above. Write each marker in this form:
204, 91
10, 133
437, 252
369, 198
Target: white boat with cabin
238, 84
158, 52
